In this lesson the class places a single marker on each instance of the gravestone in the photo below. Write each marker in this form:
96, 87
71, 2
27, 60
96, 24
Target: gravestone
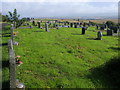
102, 27
83, 30
106, 26
97, 26
46, 27
64, 23
84, 24
30, 26
33, 23
99, 35
109, 32
38, 24
114, 28
75, 25
71, 24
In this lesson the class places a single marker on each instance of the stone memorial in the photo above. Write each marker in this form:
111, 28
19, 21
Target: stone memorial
97, 26
109, 32
71, 24
46, 27
75, 25
38, 24
30, 26
114, 28
33, 23
99, 35
83, 30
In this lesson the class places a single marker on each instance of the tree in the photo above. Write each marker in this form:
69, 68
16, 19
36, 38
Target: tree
14, 17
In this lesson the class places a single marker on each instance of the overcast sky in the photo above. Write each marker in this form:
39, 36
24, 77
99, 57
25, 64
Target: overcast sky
55, 8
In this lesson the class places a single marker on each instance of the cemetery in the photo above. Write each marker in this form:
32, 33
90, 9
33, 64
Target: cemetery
60, 53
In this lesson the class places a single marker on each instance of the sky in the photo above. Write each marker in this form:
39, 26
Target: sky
61, 8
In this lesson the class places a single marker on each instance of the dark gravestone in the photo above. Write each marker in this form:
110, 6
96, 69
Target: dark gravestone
33, 23
106, 26
109, 32
84, 24
46, 27
102, 27
56, 25
78, 23
97, 26
99, 35
30, 26
38, 24
71, 24
75, 25
83, 30
114, 28
64, 23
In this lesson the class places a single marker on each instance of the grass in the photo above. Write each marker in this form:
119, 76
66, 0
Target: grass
62, 58
5, 62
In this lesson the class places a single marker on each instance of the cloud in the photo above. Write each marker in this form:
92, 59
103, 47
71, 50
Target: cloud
58, 1
46, 9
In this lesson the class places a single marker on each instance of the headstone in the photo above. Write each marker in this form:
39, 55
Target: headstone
71, 24
46, 27
33, 23
30, 26
84, 24
75, 25
99, 35
109, 32
102, 27
97, 26
83, 30
38, 24
64, 23
114, 28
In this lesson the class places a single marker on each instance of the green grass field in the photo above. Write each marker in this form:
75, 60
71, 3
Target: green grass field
62, 58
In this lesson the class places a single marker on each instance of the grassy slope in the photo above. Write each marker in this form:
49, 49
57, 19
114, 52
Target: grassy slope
62, 58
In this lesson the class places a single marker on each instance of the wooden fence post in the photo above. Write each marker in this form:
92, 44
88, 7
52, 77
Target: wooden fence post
12, 66
12, 28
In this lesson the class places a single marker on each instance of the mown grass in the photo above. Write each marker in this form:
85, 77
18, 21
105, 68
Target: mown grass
62, 58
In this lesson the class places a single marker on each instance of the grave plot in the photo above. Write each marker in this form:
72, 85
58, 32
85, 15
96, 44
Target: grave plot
63, 58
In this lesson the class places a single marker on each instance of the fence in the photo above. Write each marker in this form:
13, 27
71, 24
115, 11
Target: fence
12, 64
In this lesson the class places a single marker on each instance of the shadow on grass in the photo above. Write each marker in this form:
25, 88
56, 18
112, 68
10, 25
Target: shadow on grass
92, 38
76, 34
114, 48
105, 35
38, 31
6, 84
5, 63
3, 44
108, 75
6, 35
